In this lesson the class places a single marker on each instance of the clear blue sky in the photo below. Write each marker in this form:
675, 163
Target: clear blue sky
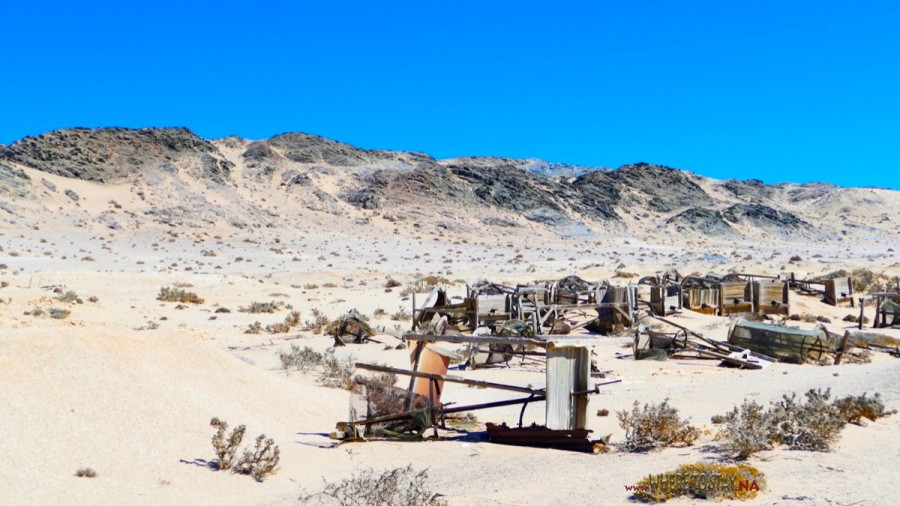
776, 90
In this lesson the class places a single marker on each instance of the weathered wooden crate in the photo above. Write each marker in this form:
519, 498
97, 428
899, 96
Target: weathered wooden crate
735, 297
489, 309
771, 297
665, 299
701, 300
839, 291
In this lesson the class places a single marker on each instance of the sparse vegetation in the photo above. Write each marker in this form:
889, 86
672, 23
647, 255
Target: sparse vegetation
262, 307
392, 283
812, 425
655, 426
290, 321
58, 313
400, 486
86, 472
170, 294
319, 322
68, 297
254, 328
334, 371
747, 429
226, 447
259, 462
854, 408
401, 314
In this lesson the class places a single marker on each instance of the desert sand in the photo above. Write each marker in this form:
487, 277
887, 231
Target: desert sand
127, 385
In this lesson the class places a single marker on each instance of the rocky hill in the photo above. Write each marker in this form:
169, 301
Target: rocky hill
174, 177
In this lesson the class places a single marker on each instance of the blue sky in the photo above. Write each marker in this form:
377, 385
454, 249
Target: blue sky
779, 91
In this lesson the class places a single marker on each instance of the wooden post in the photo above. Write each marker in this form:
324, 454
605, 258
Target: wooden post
862, 306
414, 310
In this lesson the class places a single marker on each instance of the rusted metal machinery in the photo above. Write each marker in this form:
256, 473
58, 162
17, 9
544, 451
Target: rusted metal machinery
566, 395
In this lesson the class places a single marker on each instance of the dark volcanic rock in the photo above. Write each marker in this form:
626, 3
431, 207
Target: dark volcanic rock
307, 148
506, 186
759, 215
666, 188
108, 154
699, 219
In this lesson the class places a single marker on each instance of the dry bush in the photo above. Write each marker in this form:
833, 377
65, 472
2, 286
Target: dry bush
167, 294
702, 480
625, 275
655, 426
337, 372
748, 429
290, 321
318, 324
401, 486
86, 472
262, 307
812, 425
392, 283
68, 297
58, 313
261, 461
401, 314
431, 281
854, 408
310, 286
333, 371
302, 359
226, 448
254, 328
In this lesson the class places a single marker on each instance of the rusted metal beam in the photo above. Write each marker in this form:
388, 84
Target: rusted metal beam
449, 379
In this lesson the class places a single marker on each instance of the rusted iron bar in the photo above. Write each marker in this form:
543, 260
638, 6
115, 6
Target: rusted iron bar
450, 379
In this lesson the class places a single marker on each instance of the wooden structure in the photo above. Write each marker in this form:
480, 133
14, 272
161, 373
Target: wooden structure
666, 299
886, 309
838, 291
735, 297
771, 297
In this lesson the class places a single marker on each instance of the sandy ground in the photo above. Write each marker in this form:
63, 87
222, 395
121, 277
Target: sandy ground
127, 385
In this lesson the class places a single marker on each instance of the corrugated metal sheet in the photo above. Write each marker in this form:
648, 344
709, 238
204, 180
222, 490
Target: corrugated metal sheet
568, 370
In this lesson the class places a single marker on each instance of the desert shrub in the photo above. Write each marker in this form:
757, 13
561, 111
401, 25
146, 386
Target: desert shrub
655, 426
435, 280
392, 283
262, 307
319, 322
625, 275
226, 448
748, 429
261, 461
67, 297
603, 412
310, 286
337, 372
400, 486
333, 371
86, 472
401, 314
812, 425
854, 408
703, 480
168, 294
59, 313
301, 359
258, 462
254, 328
290, 321
93, 298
